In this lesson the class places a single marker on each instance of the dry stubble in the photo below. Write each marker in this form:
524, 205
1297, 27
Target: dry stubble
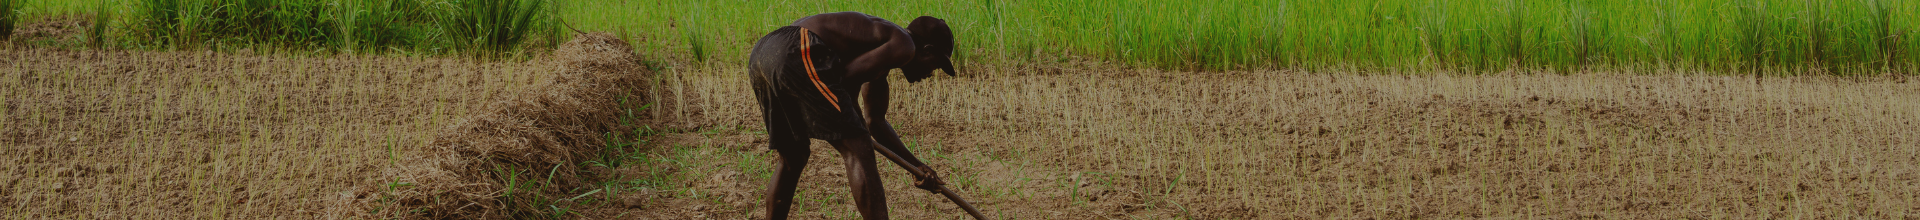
1041, 143
163, 135
193, 134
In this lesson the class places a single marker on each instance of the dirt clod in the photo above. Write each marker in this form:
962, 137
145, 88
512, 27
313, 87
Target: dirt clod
633, 200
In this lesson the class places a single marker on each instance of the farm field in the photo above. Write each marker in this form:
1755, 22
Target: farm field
118, 134
90, 136
1775, 37
1382, 110
1113, 143
1768, 37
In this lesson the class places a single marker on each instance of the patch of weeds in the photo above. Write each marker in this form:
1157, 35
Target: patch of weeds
399, 185
1020, 182
652, 180
818, 201
694, 39
1074, 185
799, 201
962, 179
756, 164
590, 200
624, 149
8, 17
395, 185
524, 195
511, 178
621, 146
628, 119
652, 65
1073, 189
667, 173
711, 132
377, 26
913, 145
493, 26
388, 198
97, 29
1015, 190
1174, 184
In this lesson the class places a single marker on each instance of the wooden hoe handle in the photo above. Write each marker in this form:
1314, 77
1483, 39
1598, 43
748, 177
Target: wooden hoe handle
943, 188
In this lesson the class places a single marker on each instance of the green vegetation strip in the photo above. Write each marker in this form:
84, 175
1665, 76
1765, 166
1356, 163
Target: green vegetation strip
8, 15
1730, 36
365, 26
1844, 36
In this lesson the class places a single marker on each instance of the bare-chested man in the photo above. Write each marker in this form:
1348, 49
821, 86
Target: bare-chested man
807, 77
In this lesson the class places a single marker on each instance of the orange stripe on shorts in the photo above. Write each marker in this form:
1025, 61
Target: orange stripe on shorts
806, 56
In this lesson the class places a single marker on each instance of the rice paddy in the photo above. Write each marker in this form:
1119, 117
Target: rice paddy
1768, 37
1773, 37
1064, 109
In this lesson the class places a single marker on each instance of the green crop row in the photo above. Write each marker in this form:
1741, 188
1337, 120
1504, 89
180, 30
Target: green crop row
9, 14
1731, 36
377, 26
1747, 36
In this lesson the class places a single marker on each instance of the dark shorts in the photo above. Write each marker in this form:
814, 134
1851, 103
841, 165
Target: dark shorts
800, 90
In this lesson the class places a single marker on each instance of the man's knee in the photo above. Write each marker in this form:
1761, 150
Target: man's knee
799, 151
865, 142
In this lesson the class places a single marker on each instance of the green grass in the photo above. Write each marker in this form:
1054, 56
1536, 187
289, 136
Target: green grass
96, 31
1728, 36
8, 17
495, 25
1772, 36
43, 8
350, 26
377, 25
344, 25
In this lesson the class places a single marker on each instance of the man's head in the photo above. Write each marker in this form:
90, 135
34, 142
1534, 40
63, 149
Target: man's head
934, 44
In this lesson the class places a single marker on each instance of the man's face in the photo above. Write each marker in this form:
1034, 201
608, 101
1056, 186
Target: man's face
935, 47
925, 60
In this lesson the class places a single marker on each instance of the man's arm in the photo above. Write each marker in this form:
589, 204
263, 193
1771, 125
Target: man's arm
874, 64
875, 95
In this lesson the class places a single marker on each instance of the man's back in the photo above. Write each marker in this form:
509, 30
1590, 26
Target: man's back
870, 45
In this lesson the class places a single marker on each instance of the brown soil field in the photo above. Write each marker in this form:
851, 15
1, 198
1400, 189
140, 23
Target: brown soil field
1084, 142
162, 135
174, 135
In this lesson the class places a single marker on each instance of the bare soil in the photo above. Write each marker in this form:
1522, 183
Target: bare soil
166, 135
162, 135
1091, 143
51, 29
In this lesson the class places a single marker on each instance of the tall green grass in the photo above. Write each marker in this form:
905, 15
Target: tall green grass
1730, 36
97, 30
376, 26
1763, 36
494, 25
195, 23
8, 17
28, 9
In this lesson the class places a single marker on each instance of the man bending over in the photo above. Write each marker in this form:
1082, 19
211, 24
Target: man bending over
807, 77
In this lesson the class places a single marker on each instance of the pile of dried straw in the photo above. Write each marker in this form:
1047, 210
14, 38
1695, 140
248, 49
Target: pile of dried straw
519, 152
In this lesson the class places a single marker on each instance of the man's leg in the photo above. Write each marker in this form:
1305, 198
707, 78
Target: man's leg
863, 176
793, 160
